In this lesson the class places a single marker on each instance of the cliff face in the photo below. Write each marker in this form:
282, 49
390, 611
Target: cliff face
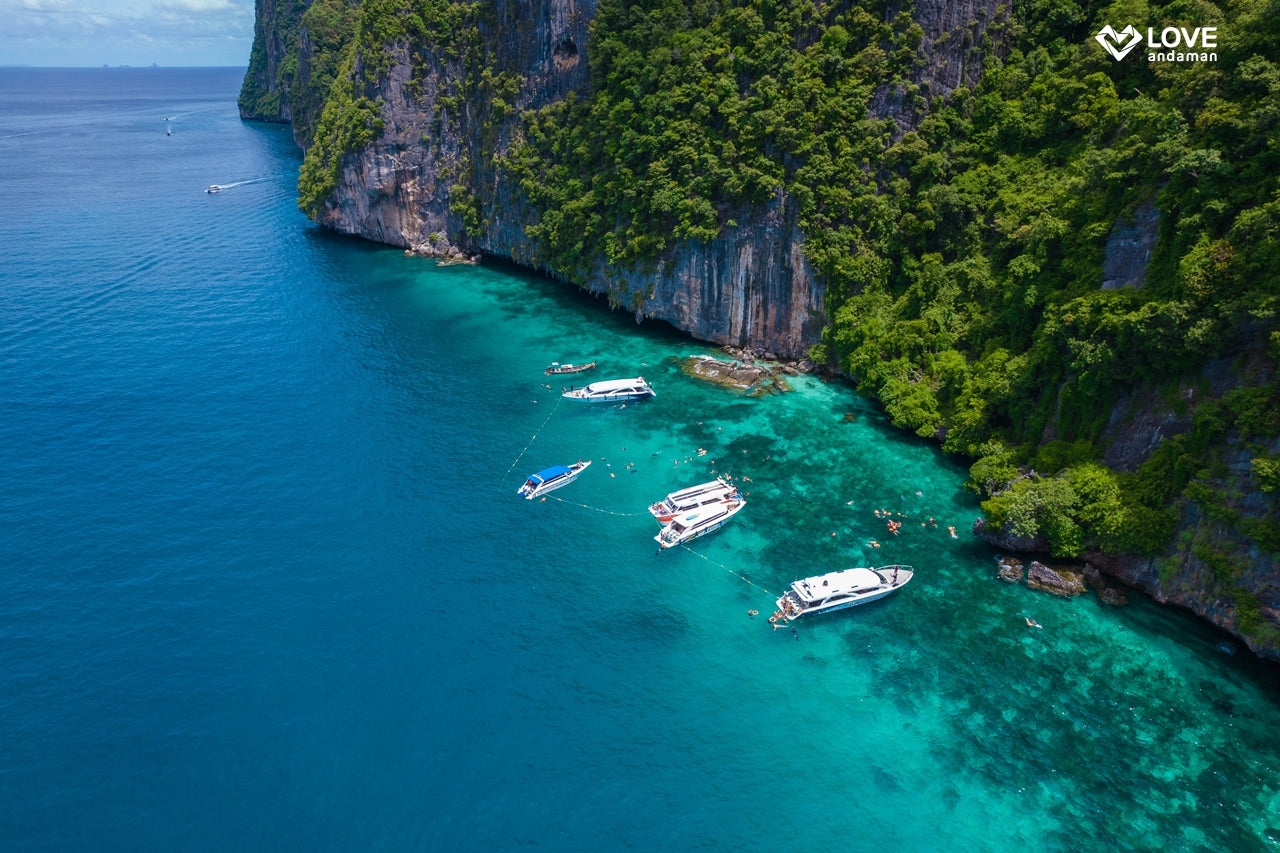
953, 42
399, 190
749, 286
264, 96
1209, 568
1213, 566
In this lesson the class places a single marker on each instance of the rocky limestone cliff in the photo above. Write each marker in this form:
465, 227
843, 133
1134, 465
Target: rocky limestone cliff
1209, 567
749, 286
399, 189
264, 96
952, 47
1129, 248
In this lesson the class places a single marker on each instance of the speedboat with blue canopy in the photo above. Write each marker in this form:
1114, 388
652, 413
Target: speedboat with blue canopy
552, 478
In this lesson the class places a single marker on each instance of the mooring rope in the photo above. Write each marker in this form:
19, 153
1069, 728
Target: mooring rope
596, 508
535, 435
729, 570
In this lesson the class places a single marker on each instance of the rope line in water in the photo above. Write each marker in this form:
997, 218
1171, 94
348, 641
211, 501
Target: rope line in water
535, 436
729, 570
596, 508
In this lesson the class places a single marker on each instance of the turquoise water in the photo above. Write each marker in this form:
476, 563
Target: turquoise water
267, 584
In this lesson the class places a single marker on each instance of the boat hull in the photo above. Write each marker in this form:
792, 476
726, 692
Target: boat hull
793, 605
844, 605
562, 369
612, 391
608, 398
697, 531
695, 497
529, 490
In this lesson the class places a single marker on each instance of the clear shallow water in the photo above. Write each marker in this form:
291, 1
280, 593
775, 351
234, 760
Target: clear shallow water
266, 583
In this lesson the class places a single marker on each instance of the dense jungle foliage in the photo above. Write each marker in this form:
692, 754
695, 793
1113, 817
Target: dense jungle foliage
960, 234
962, 246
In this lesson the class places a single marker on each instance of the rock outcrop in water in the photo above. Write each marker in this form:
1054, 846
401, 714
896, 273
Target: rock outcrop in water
1059, 581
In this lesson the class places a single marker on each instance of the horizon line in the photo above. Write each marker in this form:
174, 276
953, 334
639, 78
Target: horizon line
109, 67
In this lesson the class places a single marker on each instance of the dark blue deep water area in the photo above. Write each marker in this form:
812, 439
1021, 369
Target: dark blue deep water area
265, 582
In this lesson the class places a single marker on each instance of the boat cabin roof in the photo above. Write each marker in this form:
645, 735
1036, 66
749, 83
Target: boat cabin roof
846, 582
548, 473
702, 515
616, 385
714, 487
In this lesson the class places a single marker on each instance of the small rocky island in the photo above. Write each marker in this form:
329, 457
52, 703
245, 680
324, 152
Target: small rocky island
744, 372
1064, 581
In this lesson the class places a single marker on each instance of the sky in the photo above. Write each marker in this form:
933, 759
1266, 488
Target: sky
80, 33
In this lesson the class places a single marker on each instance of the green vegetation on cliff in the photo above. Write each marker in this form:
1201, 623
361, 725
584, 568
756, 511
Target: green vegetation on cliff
963, 249
265, 91
697, 109
429, 34
314, 37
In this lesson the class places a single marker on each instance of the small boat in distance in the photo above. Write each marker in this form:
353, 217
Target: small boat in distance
700, 522
612, 391
694, 497
557, 367
214, 188
838, 590
549, 479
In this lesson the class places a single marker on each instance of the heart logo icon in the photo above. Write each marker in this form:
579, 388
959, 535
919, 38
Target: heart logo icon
1118, 44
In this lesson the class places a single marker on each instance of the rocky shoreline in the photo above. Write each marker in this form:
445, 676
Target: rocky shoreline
757, 375
1060, 580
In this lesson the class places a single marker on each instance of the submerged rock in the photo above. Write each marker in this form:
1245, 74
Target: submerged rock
1107, 593
1112, 595
1063, 582
1009, 569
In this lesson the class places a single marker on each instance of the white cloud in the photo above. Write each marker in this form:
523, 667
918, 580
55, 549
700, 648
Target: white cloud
92, 32
199, 5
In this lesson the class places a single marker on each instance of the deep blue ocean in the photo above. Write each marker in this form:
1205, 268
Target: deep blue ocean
265, 583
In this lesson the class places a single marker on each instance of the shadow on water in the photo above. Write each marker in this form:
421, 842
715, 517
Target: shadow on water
578, 300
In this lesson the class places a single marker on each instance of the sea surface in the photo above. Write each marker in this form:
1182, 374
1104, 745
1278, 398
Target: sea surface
265, 583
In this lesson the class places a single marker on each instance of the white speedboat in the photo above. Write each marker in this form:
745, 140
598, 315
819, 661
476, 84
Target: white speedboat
214, 188
838, 590
612, 391
549, 479
694, 497
700, 522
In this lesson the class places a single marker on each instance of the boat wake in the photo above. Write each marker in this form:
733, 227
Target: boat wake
220, 187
